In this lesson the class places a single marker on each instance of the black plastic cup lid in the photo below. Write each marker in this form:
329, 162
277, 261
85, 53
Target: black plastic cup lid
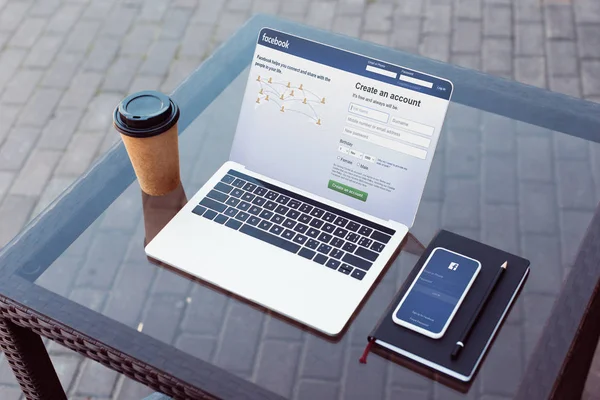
145, 114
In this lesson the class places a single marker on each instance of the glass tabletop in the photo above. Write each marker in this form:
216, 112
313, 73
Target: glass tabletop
511, 184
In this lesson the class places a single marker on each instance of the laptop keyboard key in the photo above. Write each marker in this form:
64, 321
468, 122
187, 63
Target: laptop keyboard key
254, 210
329, 228
227, 179
244, 206
249, 187
336, 253
220, 197
344, 270
300, 239
305, 208
340, 221
271, 195
325, 237
317, 213
232, 201
289, 223
282, 210
220, 219
333, 264
301, 228
210, 214
304, 219
265, 225
352, 237
276, 229
248, 196
306, 253
340, 232
320, 258
267, 237
329, 217
237, 193
337, 242
358, 274
325, 249
380, 237
230, 212
294, 204
312, 232
364, 253
266, 214
233, 223
288, 234
349, 247
242, 216
270, 205
199, 210
282, 199
278, 219
223, 187
239, 183
259, 201
365, 231
260, 191
312, 244
213, 205
293, 214
357, 261
253, 221
352, 226
316, 223
365, 242
378, 247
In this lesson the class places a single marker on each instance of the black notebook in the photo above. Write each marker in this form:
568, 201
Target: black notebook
435, 353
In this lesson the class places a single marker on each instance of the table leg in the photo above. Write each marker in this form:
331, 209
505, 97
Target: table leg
29, 361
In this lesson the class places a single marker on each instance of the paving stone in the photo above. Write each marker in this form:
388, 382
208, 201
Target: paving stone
21, 86
322, 360
503, 369
529, 39
467, 36
590, 77
28, 32
12, 14
531, 71
119, 21
318, 390
237, 353
198, 346
82, 35
178, 72
97, 11
96, 380
461, 205
131, 389
500, 179
437, 18
497, 21
498, 134
8, 114
472, 61
44, 8
10, 60
588, 39
82, 89
162, 316
537, 309
544, 253
406, 35
436, 47
320, 14
159, 57
468, 9
35, 173
575, 185
60, 74
570, 147
14, 213
276, 328
586, 11
79, 154
500, 227
364, 383
534, 156
379, 38
195, 41
230, 23
405, 393
65, 267
59, 130
103, 260
573, 225
399, 376
168, 282
205, 312
6, 179
377, 17
10, 392
101, 55
139, 39
15, 149
175, 22
43, 52
64, 19
121, 74
294, 7
537, 208
98, 116
569, 85
146, 82
66, 367
559, 21
277, 368
265, 6
348, 25
153, 10
528, 11
461, 159
497, 55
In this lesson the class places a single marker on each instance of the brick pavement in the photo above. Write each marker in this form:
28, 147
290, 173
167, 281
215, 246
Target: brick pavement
65, 63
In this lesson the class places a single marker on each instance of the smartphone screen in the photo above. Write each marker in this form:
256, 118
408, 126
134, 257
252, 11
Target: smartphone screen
436, 293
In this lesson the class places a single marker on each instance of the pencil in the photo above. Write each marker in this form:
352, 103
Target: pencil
469, 328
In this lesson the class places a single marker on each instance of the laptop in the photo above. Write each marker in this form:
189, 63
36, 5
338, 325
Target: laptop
327, 168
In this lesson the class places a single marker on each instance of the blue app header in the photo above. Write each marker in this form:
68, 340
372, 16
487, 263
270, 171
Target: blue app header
355, 63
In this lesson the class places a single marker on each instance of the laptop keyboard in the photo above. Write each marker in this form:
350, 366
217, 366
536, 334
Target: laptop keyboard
303, 226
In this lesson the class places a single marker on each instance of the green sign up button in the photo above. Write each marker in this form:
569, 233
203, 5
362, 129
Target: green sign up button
347, 190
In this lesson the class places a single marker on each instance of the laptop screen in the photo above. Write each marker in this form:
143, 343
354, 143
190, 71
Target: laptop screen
350, 128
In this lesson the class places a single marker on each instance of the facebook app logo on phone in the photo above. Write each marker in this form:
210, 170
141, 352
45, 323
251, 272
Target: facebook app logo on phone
436, 293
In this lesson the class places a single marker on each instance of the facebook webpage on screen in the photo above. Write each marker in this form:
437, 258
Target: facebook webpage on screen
350, 128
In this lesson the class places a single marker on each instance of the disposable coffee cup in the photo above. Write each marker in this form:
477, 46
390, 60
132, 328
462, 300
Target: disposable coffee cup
147, 122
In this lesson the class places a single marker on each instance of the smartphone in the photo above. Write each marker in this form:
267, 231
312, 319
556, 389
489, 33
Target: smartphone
437, 292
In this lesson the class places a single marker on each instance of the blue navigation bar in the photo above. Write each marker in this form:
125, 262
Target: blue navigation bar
355, 63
